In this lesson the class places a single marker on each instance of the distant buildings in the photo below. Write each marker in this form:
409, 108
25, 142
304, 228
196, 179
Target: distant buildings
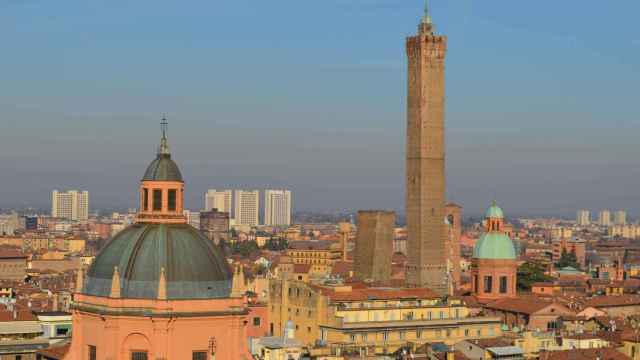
247, 206
625, 231
620, 217
9, 223
604, 218
218, 199
13, 265
70, 205
277, 207
583, 218
570, 245
215, 225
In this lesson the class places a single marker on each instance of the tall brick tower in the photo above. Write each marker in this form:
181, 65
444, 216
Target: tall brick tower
425, 178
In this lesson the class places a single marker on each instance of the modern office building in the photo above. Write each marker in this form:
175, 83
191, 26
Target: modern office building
277, 207
246, 206
71, 205
218, 199
583, 218
604, 218
620, 217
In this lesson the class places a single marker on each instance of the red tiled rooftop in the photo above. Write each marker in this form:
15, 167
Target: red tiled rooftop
522, 304
20, 315
584, 354
605, 301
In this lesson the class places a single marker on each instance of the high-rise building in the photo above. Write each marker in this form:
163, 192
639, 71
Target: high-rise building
583, 218
620, 217
218, 199
277, 207
374, 245
246, 205
604, 218
425, 166
71, 205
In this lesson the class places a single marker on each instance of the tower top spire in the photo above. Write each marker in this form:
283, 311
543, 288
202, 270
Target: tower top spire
426, 18
164, 146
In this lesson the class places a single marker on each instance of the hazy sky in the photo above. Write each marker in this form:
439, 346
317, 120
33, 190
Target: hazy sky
542, 106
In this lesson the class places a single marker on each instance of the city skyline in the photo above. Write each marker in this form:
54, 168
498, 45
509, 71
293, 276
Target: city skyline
544, 150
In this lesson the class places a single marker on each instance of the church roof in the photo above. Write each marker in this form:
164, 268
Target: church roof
162, 168
494, 245
194, 268
494, 211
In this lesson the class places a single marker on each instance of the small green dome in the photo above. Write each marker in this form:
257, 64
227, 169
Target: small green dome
494, 212
494, 245
162, 168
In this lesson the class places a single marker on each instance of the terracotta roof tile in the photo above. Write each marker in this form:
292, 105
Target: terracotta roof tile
584, 354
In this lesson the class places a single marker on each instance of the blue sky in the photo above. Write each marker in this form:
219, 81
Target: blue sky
541, 108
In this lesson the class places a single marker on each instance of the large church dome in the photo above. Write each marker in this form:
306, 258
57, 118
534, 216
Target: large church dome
194, 268
160, 256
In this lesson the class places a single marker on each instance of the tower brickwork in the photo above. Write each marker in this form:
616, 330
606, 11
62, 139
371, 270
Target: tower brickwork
425, 159
374, 245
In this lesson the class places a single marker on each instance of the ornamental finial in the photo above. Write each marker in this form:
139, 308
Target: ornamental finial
164, 146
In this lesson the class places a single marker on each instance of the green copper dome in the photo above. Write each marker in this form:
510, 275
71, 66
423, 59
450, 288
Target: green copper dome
494, 212
162, 169
494, 245
194, 267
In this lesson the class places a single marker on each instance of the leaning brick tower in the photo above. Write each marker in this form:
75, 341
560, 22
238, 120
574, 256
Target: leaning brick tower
425, 167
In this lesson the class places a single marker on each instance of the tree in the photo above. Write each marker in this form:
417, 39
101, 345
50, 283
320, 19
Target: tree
276, 244
530, 273
568, 259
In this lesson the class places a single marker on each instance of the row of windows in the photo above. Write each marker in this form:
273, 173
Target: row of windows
143, 355
157, 199
442, 315
419, 334
488, 284
322, 254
